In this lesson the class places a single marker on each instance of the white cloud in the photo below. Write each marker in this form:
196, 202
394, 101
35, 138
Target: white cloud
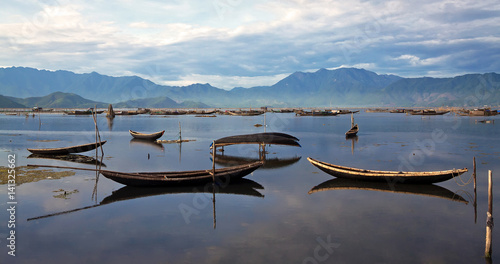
226, 82
239, 43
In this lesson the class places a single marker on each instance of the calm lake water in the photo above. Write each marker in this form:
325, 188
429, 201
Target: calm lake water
277, 215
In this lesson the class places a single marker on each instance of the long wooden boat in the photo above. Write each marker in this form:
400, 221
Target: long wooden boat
273, 138
245, 113
386, 176
83, 112
428, 112
152, 136
149, 179
317, 113
67, 150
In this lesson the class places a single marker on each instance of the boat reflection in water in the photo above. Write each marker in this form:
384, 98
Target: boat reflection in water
242, 187
354, 139
69, 157
154, 144
269, 163
429, 190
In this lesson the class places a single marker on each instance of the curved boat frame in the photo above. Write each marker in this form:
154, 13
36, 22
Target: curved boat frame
387, 176
152, 136
67, 150
175, 178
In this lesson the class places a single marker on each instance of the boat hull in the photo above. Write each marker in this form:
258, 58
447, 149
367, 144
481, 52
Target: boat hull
352, 132
258, 138
386, 176
152, 136
153, 179
67, 150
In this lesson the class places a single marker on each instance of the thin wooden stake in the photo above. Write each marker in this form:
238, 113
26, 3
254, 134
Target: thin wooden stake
213, 161
97, 139
475, 192
489, 217
213, 178
180, 133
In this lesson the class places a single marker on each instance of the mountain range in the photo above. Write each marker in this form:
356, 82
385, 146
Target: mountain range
343, 87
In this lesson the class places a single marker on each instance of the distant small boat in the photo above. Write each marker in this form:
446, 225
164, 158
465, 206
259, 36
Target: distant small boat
245, 113
487, 121
152, 136
67, 150
353, 131
428, 112
317, 113
83, 112
483, 112
386, 176
354, 128
126, 113
344, 112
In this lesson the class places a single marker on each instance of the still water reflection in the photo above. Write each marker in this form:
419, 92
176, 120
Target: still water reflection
285, 212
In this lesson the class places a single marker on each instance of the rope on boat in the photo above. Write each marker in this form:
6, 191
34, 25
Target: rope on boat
463, 183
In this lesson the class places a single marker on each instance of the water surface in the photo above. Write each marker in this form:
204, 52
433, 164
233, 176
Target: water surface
276, 216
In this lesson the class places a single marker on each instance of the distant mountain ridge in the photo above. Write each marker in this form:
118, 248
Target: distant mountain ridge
343, 87
57, 100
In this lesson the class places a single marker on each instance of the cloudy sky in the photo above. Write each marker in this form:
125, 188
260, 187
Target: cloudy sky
231, 43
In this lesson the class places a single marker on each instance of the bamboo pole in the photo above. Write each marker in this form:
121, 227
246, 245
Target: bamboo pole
213, 178
180, 133
475, 192
213, 161
489, 218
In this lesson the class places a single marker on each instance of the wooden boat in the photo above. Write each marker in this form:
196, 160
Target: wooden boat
152, 136
149, 179
67, 150
345, 112
387, 176
354, 128
428, 112
482, 112
126, 113
245, 113
317, 113
353, 131
83, 112
258, 138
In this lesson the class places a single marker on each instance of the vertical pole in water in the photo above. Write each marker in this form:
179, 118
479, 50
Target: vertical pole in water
213, 160
352, 120
265, 125
475, 192
213, 178
489, 218
180, 133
